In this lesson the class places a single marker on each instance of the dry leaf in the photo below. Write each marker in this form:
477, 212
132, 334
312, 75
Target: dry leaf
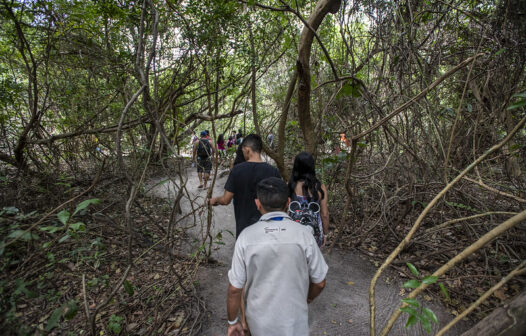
500, 294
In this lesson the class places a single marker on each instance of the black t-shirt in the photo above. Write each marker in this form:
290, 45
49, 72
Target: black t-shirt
242, 182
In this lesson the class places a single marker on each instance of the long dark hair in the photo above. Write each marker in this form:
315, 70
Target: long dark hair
239, 156
304, 170
220, 138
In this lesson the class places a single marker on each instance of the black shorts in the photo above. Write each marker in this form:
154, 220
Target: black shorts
204, 165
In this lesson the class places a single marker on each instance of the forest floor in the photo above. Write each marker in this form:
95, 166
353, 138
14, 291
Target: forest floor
342, 308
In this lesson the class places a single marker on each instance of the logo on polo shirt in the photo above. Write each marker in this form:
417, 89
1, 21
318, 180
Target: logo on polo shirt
271, 230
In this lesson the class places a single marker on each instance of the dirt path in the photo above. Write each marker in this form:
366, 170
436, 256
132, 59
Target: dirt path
342, 308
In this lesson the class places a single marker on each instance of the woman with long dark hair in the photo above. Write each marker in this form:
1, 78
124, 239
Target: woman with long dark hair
304, 188
221, 145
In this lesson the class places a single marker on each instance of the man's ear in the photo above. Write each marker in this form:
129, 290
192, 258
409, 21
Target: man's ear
246, 152
287, 205
258, 204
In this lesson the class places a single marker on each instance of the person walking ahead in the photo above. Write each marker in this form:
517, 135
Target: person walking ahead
203, 151
304, 187
242, 181
281, 266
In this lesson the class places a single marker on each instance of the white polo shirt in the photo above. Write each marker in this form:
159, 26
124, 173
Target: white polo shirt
276, 259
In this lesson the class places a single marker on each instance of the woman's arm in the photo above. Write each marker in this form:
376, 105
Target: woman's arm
324, 211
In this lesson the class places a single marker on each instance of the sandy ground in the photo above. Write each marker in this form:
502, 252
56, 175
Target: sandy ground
342, 308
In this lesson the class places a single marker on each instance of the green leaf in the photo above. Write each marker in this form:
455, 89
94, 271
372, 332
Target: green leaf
411, 302
63, 216
53, 320
83, 205
412, 268
411, 284
11, 210
426, 324
51, 229
128, 287
78, 226
444, 290
412, 320
72, 309
409, 310
23, 235
349, 89
115, 324
500, 51
520, 103
430, 315
429, 279
63, 239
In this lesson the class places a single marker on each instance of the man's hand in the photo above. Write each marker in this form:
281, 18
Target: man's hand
235, 330
315, 290
223, 200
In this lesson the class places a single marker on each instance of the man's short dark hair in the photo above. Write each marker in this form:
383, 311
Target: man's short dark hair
273, 194
254, 142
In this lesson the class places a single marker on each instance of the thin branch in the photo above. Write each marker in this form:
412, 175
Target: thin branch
458, 220
417, 97
419, 220
257, 4
86, 309
503, 227
95, 181
110, 129
119, 129
108, 299
496, 191
457, 117
519, 270
207, 117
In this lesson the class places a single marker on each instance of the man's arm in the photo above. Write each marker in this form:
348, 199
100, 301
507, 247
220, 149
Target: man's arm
194, 149
213, 147
223, 200
315, 290
324, 212
233, 302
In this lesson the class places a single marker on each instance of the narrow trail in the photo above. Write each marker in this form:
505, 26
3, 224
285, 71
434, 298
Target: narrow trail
341, 309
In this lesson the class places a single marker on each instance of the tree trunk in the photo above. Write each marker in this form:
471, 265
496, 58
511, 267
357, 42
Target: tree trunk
303, 65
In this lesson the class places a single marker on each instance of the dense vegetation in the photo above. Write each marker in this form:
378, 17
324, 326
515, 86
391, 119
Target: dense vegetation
96, 97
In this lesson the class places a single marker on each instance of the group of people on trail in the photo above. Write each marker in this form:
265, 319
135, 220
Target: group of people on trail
277, 266
203, 150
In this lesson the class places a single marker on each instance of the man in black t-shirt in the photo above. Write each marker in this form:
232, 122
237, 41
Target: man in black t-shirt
242, 182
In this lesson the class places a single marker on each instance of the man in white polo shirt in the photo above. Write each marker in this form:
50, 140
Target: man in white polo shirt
280, 265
